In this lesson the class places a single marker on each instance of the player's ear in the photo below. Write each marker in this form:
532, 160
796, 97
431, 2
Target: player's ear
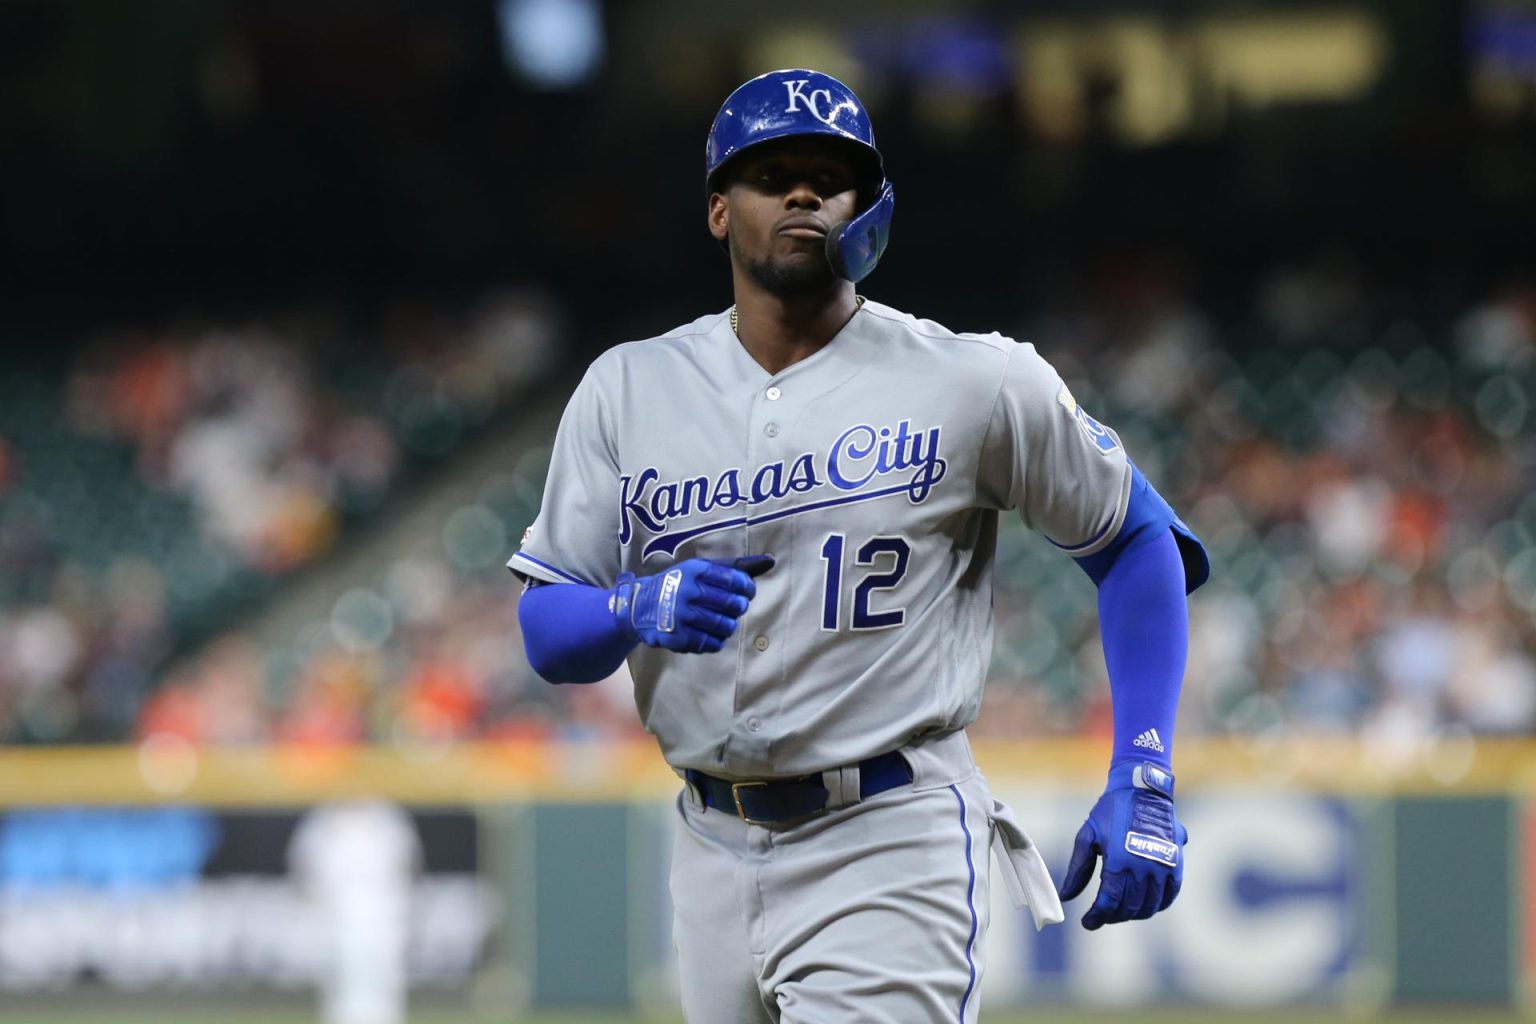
719, 216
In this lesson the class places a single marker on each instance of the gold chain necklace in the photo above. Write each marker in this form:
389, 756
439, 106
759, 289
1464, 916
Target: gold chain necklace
858, 299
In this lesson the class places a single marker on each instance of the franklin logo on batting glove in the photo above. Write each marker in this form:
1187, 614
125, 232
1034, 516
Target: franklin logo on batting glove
666, 602
1152, 848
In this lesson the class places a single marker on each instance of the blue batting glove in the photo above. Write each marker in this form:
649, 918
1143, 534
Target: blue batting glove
692, 607
1134, 828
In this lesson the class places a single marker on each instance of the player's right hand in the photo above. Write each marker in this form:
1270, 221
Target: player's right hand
692, 607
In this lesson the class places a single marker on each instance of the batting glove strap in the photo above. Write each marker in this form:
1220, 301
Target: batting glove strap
622, 602
653, 605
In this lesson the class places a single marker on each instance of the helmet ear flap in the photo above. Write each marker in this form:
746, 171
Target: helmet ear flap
855, 246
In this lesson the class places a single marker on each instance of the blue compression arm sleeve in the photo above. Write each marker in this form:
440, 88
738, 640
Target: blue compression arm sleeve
570, 634
1144, 624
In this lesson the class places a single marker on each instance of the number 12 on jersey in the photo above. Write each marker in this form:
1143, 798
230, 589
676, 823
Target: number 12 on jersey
886, 553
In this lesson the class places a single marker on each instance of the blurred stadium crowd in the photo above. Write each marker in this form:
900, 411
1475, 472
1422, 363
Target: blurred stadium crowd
170, 480
1357, 458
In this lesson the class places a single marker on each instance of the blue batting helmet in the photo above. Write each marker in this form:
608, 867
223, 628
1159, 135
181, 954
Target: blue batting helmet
799, 102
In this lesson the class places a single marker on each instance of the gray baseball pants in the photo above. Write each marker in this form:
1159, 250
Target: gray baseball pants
874, 912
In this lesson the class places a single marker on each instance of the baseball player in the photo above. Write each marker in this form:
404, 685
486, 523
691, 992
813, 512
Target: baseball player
784, 515
354, 862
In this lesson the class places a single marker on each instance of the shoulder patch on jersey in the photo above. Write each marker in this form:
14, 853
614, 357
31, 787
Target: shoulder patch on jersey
1102, 439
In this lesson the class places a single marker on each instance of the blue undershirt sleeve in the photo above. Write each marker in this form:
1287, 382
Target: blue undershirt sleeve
1144, 625
570, 634
1143, 576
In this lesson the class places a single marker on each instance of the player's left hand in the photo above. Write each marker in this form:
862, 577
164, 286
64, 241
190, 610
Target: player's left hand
1134, 828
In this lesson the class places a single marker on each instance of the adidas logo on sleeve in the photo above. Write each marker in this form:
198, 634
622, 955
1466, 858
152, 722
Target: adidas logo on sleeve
1149, 740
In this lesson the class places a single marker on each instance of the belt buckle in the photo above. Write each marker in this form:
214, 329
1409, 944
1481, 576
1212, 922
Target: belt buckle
736, 796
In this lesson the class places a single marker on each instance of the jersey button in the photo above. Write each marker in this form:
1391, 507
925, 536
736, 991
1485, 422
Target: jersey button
772, 430
773, 394
761, 643
753, 725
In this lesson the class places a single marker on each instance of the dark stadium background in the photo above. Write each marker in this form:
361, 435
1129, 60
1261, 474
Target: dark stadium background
290, 294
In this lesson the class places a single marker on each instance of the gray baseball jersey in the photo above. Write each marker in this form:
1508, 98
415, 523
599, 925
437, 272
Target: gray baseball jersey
874, 471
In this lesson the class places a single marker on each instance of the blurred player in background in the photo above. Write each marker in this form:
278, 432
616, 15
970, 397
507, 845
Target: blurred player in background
355, 862
785, 516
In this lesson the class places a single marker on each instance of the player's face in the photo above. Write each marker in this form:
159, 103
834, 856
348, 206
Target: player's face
782, 199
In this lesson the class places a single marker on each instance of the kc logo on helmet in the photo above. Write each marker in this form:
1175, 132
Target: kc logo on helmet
812, 100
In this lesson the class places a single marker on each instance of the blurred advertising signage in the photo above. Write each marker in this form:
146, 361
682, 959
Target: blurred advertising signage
188, 897
1501, 58
1269, 914
1164, 78
1501, 36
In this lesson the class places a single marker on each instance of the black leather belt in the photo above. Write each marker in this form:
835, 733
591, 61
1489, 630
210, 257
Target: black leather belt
775, 801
